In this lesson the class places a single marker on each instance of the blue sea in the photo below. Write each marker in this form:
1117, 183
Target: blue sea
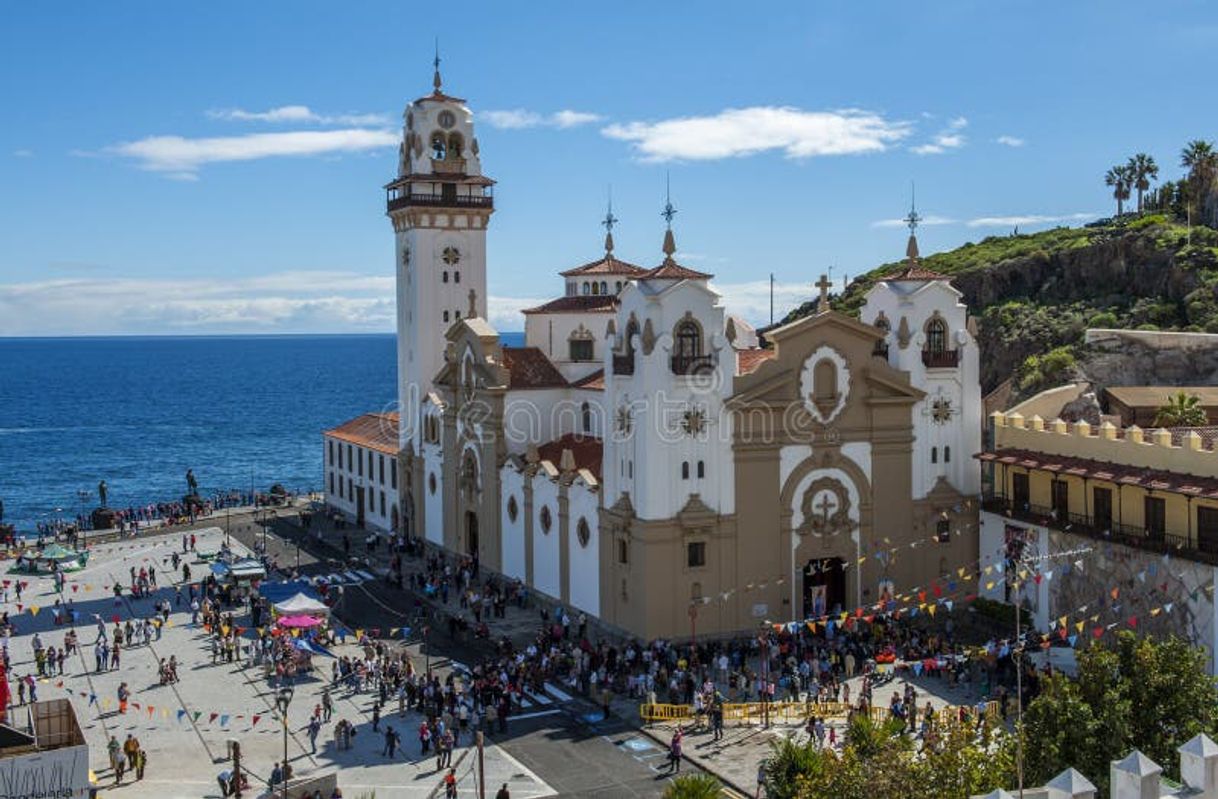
242, 411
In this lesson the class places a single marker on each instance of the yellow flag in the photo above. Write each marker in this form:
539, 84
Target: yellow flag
931, 609
1079, 626
960, 572
34, 610
1062, 620
989, 584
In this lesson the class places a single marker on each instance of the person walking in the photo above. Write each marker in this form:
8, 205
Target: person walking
674, 753
141, 760
503, 793
450, 784
391, 741
314, 729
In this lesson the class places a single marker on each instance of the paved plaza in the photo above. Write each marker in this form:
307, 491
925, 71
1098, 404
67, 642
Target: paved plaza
185, 727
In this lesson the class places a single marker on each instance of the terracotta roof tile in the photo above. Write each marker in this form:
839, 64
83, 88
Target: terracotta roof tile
582, 303
593, 382
748, 361
914, 271
1125, 474
530, 368
671, 270
377, 431
608, 265
586, 449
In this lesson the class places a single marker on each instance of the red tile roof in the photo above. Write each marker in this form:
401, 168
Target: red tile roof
749, 360
530, 368
593, 382
1123, 474
671, 270
586, 449
582, 303
377, 431
914, 271
605, 266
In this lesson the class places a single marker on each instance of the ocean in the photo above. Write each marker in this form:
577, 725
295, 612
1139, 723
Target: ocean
241, 411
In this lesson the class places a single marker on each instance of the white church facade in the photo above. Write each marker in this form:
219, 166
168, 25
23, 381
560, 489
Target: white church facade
647, 458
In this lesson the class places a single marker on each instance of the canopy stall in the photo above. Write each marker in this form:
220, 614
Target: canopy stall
299, 622
51, 558
301, 605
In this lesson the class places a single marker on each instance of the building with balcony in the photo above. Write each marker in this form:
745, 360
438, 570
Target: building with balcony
1139, 507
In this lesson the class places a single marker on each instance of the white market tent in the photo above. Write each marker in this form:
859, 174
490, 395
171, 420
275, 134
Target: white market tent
301, 604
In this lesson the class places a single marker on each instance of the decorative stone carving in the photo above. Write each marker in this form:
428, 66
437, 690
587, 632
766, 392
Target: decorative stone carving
904, 334
822, 411
826, 509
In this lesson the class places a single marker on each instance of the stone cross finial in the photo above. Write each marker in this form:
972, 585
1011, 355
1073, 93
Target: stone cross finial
824, 284
473, 303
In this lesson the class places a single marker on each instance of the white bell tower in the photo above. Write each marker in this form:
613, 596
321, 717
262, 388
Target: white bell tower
439, 204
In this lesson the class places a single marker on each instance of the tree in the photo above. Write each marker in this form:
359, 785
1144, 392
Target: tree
1201, 161
694, 786
1139, 693
1181, 410
1119, 178
1143, 170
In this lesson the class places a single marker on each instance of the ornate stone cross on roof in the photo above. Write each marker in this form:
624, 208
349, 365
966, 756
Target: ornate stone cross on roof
609, 221
824, 284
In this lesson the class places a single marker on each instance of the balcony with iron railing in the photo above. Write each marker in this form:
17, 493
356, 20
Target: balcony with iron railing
1188, 545
941, 359
623, 364
692, 364
397, 202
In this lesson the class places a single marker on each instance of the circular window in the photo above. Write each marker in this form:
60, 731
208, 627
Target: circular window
447, 119
431, 483
583, 533
546, 520
450, 256
512, 509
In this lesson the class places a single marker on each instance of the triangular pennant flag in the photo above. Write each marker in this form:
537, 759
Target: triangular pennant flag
1072, 639
1079, 626
1168, 606
254, 722
181, 713
197, 714
212, 717
224, 720
1133, 621
1097, 631
151, 710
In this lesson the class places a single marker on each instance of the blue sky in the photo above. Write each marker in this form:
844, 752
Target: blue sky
143, 193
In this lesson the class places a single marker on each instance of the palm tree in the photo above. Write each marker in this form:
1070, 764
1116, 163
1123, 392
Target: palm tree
1120, 178
1181, 410
1201, 160
1143, 170
694, 786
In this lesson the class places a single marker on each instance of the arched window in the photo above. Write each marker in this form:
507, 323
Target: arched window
456, 146
456, 277
824, 386
513, 509
695, 592
439, 148
431, 482
947, 454
604, 287
701, 469
585, 413
934, 454
684, 470
446, 316
587, 289
689, 339
583, 532
618, 287
936, 335
596, 288
444, 276
632, 330
547, 521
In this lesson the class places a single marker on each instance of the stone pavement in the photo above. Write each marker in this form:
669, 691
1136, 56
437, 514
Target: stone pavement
184, 728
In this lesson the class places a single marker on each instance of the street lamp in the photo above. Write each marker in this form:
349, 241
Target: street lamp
282, 700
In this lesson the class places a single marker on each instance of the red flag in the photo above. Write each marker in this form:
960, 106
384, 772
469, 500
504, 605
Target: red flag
212, 717
1097, 631
74, 587
1133, 621
256, 719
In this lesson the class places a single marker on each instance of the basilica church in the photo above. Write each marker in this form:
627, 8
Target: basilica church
651, 460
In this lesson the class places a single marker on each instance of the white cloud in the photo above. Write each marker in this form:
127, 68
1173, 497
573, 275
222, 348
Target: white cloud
297, 114
747, 131
950, 138
181, 157
751, 300
1010, 141
520, 119
925, 220
23, 153
1027, 219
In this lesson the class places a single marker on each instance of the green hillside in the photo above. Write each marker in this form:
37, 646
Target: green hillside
1034, 294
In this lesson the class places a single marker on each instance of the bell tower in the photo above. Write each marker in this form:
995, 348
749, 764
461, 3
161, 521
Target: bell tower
439, 205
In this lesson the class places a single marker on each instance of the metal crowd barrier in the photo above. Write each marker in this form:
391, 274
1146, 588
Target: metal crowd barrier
785, 712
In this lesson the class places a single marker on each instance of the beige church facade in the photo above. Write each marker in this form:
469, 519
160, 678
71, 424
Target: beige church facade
651, 460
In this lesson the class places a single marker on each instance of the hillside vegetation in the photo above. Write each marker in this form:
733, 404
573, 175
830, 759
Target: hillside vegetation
1035, 294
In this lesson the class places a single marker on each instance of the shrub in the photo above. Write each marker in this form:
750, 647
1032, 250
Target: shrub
1104, 319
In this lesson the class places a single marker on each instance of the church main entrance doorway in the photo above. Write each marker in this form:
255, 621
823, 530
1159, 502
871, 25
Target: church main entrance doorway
471, 533
824, 587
